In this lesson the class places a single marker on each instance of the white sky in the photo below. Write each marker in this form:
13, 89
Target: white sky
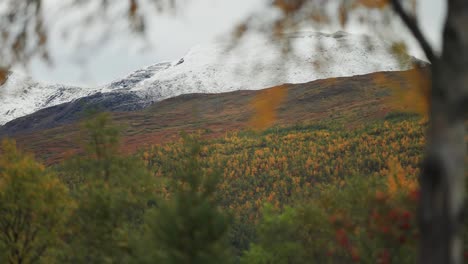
171, 37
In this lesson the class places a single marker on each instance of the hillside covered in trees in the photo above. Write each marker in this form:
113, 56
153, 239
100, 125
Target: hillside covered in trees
311, 192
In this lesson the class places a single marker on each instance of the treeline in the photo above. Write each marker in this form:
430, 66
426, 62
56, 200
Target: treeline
308, 193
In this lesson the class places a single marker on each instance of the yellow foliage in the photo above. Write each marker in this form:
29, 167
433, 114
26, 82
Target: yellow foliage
277, 166
266, 104
397, 180
35, 207
416, 98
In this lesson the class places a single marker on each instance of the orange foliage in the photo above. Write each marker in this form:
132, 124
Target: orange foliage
276, 167
288, 6
373, 3
416, 99
266, 104
133, 7
397, 181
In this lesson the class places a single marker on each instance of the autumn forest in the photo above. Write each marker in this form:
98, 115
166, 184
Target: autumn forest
288, 194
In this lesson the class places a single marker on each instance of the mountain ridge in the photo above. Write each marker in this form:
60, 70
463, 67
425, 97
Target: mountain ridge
253, 64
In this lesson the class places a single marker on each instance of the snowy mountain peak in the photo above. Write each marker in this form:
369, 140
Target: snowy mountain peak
254, 63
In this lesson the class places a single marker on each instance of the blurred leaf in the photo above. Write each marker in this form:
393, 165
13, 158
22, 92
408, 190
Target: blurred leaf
289, 6
133, 8
343, 15
266, 103
3, 76
414, 97
379, 4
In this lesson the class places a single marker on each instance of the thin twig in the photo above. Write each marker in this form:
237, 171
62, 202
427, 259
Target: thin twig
412, 25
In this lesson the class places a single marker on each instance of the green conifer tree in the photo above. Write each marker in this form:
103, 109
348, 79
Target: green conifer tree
189, 227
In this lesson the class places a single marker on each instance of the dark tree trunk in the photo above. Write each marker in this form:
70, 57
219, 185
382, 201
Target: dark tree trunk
442, 178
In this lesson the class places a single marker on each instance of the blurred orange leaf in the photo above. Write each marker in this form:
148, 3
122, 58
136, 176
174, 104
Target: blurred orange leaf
289, 6
414, 97
133, 7
266, 103
3, 76
343, 15
373, 3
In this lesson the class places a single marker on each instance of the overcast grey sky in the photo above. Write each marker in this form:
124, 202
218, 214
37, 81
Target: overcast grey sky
171, 37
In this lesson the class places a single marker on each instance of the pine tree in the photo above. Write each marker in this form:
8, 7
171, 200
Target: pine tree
189, 227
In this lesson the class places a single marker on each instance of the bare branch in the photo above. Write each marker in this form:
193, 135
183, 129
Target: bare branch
412, 25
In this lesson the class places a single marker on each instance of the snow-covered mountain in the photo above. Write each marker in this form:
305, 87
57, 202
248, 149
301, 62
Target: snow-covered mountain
254, 63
